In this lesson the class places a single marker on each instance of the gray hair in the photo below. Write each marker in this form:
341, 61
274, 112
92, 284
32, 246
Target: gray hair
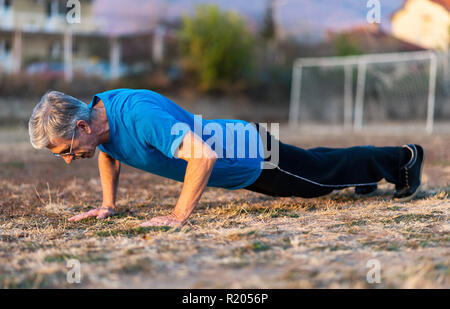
55, 116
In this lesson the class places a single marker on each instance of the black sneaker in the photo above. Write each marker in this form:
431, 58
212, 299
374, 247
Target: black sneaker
410, 175
366, 190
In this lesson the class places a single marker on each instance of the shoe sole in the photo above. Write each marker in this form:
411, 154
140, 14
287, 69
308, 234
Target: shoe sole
410, 197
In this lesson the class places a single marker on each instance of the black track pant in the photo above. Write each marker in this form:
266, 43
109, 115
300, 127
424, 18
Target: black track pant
318, 171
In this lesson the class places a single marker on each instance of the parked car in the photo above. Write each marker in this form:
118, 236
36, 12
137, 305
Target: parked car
46, 70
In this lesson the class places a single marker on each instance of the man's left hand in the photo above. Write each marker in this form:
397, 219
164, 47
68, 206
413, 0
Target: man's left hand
169, 220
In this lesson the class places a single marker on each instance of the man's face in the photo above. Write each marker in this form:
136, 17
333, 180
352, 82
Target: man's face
83, 145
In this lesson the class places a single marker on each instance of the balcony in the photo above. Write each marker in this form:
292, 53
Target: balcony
39, 22
55, 23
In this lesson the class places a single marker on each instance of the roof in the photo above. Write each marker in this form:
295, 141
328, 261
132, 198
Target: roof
444, 3
370, 38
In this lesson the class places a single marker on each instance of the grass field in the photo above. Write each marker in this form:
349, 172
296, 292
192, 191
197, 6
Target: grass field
234, 239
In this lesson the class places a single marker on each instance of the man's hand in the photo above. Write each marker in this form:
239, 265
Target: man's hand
170, 220
99, 213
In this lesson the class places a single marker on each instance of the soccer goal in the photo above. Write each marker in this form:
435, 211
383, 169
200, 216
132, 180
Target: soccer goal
357, 90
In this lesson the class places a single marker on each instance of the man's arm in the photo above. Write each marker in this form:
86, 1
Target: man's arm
109, 169
201, 159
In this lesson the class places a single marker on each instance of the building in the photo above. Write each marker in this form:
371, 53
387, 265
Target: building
423, 22
38, 36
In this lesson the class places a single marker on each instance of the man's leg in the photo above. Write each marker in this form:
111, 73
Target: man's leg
318, 171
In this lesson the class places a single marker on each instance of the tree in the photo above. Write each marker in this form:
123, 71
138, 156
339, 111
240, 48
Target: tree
216, 46
345, 46
268, 31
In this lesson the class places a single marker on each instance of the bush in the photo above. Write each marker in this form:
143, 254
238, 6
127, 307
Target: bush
216, 47
346, 47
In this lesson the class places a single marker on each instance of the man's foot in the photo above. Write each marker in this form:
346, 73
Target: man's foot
367, 190
410, 174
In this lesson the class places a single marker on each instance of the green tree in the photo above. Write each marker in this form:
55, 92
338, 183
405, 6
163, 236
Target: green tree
216, 46
345, 46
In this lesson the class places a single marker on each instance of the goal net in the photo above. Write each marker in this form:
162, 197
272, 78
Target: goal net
367, 89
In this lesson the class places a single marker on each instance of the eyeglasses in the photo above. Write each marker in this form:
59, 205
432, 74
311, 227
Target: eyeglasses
70, 153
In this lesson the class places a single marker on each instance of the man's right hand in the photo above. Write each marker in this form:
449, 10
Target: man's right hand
99, 213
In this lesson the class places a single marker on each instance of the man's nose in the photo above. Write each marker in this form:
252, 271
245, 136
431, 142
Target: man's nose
68, 159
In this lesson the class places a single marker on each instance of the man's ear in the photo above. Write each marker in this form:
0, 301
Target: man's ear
83, 126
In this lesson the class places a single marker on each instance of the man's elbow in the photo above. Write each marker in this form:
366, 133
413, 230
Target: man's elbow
210, 157
213, 157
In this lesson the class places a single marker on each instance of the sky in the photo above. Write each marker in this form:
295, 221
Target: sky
305, 19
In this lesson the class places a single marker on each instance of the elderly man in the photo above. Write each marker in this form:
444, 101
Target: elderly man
148, 131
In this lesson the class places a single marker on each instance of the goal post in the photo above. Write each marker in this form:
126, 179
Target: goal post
392, 79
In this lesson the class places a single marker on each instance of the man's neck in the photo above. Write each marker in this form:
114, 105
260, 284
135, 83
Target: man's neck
100, 123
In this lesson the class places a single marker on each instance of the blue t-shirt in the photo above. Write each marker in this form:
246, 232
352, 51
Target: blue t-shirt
146, 128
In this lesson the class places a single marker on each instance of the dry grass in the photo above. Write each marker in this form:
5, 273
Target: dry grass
234, 239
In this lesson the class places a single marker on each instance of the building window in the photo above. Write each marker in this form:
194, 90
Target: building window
5, 4
76, 47
62, 8
5, 47
49, 8
55, 50
55, 8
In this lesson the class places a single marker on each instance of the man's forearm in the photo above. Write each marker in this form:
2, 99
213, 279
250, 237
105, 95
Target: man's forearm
109, 175
196, 178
